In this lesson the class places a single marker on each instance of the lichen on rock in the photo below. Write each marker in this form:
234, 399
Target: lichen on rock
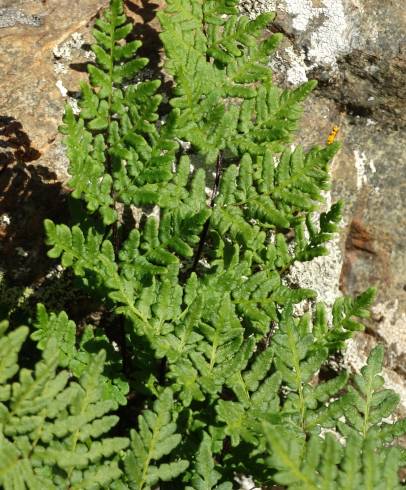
356, 52
10, 17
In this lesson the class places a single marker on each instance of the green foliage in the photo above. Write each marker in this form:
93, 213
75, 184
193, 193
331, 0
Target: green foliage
53, 425
367, 403
188, 218
214, 55
205, 475
325, 463
156, 438
76, 354
116, 129
362, 459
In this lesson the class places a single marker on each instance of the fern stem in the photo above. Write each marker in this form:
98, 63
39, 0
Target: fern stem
114, 230
298, 376
148, 459
367, 407
75, 436
205, 231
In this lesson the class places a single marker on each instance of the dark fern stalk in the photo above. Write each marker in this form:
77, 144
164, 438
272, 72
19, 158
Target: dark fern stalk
206, 226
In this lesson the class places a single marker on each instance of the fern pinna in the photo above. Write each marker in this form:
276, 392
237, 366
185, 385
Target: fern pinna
191, 219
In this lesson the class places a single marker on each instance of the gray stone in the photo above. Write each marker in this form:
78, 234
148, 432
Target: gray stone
9, 17
357, 52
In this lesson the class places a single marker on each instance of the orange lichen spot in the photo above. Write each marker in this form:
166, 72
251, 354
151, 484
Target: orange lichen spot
332, 136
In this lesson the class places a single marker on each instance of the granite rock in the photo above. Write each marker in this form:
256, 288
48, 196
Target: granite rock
357, 52
33, 166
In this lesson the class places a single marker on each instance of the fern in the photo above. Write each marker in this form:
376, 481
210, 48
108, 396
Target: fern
368, 403
156, 438
205, 474
116, 124
188, 218
224, 60
77, 355
52, 425
361, 460
324, 463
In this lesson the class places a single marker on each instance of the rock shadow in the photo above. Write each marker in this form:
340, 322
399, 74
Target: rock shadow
145, 31
29, 193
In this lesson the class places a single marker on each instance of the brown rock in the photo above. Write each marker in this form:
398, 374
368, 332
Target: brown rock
27, 88
359, 238
45, 47
32, 161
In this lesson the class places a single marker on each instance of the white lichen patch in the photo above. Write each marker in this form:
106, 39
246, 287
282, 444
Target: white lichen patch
354, 356
371, 166
302, 12
297, 69
72, 101
371, 122
5, 219
56, 272
62, 89
10, 17
246, 483
331, 39
337, 435
395, 382
291, 64
64, 50
60, 68
330, 33
253, 8
321, 274
325, 25
74, 104
363, 164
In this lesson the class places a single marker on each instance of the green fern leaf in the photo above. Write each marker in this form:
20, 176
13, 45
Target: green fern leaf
205, 476
53, 427
156, 438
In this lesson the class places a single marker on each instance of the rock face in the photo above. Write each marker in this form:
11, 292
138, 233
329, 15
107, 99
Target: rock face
357, 52
32, 161
356, 49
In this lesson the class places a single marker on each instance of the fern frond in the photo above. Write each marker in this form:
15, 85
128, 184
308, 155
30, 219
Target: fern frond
121, 154
155, 438
367, 403
53, 426
362, 458
224, 60
59, 327
313, 247
196, 277
204, 475
325, 463
347, 313
76, 355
